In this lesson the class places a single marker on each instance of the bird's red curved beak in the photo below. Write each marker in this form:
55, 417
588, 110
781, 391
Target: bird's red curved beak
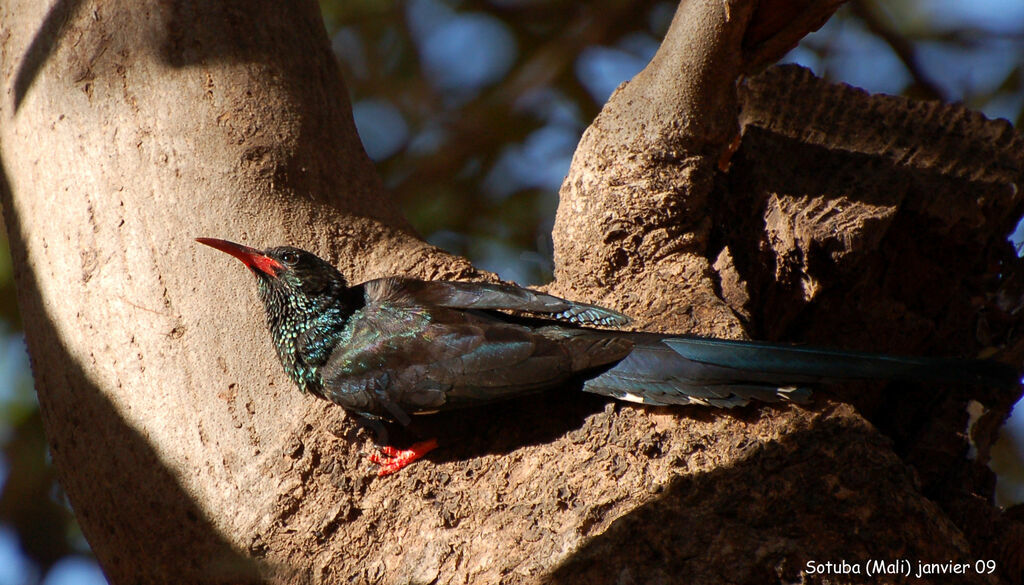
251, 257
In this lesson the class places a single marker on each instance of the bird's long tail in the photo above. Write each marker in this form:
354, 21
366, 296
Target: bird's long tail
727, 373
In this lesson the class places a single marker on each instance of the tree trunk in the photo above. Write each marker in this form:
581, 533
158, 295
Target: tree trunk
130, 128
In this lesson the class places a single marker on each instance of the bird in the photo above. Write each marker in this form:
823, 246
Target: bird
394, 347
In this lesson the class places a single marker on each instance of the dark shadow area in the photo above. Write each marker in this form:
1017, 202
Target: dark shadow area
128, 495
932, 274
506, 426
762, 519
910, 285
936, 240
234, 30
538, 419
43, 45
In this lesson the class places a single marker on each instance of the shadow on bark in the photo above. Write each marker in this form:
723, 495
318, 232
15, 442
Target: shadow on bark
504, 427
132, 485
875, 283
923, 233
718, 527
44, 43
539, 419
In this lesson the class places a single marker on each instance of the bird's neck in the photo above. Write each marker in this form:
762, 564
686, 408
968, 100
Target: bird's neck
305, 330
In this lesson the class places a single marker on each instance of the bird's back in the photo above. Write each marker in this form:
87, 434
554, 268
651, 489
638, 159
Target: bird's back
402, 356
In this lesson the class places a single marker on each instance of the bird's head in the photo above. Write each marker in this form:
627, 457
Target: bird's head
285, 269
307, 302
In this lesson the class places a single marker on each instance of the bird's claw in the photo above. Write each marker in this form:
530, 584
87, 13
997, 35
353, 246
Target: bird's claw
392, 460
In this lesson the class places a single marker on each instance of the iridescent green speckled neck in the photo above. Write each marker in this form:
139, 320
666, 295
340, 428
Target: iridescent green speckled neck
307, 314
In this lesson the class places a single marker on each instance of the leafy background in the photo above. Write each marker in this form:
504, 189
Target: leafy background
472, 111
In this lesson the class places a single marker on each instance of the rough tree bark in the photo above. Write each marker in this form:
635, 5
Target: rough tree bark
129, 128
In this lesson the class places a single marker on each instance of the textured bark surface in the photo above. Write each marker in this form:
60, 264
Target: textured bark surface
634, 207
888, 234
845, 219
130, 128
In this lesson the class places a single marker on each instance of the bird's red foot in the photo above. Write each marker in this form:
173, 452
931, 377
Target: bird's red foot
391, 459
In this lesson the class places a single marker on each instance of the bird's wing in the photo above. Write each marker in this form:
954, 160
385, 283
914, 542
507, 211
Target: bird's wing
403, 358
488, 296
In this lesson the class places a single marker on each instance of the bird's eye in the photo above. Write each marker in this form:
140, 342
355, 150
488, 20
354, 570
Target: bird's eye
290, 258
